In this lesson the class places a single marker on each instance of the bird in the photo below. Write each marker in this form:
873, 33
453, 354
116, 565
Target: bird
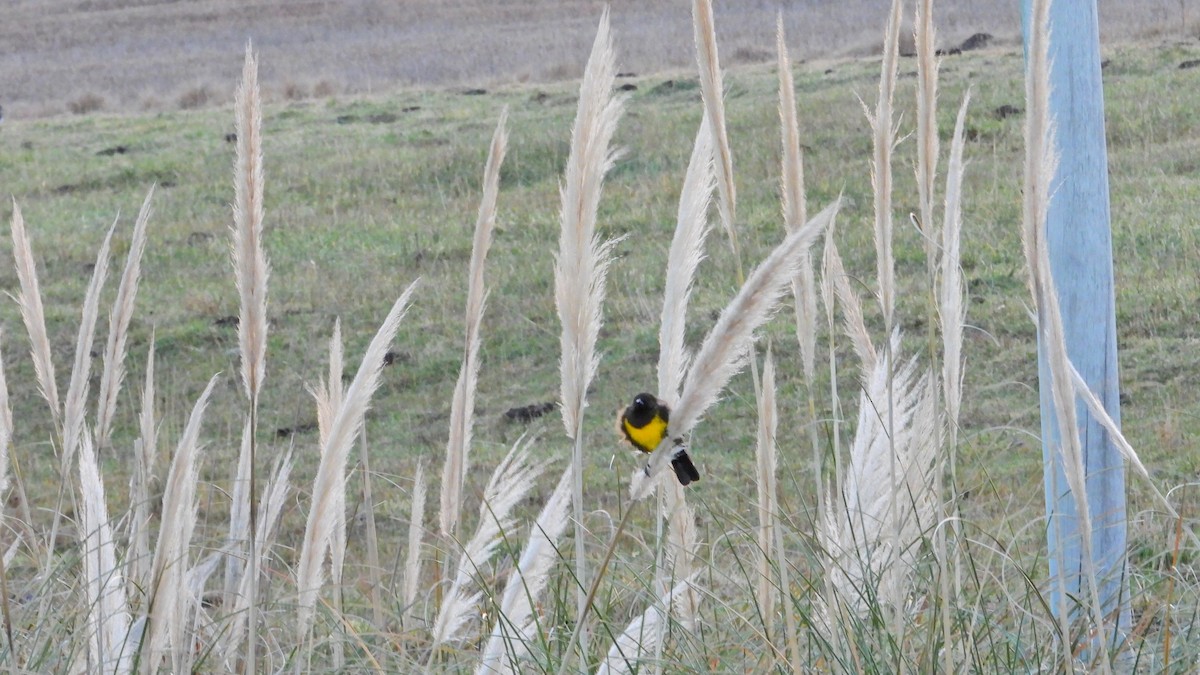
644, 424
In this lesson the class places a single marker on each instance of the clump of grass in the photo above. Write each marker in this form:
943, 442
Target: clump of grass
581, 266
86, 103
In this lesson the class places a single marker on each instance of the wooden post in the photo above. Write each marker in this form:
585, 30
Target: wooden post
1079, 240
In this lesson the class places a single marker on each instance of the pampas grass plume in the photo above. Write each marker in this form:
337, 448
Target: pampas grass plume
118, 326
684, 256
767, 502
462, 406
33, 315
412, 568
169, 604
513, 629
108, 610
326, 497
724, 350
249, 260
508, 485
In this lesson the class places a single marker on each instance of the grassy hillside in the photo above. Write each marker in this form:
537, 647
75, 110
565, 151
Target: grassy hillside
365, 194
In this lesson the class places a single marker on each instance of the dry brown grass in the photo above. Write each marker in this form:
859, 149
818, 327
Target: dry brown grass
376, 45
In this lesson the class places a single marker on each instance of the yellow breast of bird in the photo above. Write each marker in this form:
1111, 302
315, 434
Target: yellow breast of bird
647, 437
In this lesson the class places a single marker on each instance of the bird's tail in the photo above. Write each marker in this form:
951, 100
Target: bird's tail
685, 471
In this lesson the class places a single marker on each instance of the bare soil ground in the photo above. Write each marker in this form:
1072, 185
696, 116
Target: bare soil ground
59, 56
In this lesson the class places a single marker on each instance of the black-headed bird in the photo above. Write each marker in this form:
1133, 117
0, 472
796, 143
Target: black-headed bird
644, 424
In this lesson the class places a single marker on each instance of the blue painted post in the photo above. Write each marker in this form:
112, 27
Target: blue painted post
1079, 239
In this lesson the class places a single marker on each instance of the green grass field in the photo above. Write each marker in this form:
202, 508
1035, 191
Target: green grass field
365, 194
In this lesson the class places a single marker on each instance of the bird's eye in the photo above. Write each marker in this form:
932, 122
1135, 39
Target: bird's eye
639, 401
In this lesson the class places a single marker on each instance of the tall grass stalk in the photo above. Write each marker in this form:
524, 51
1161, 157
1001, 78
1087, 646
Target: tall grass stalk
952, 311
118, 327
73, 407
374, 570
412, 567
712, 91
852, 312
515, 625
108, 610
1041, 165
326, 499
251, 270
768, 503
329, 397
145, 454
582, 264
804, 291
683, 258
873, 561
925, 39
462, 405
509, 484
170, 602
830, 272
33, 314
883, 141
276, 493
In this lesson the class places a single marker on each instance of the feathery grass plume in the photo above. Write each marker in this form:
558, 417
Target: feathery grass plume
239, 517
767, 501
795, 207
462, 405
582, 262
507, 487
73, 406
804, 291
884, 141
515, 624
927, 130
249, 261
953, 308
374, 570
1041, 165
328, 398
275, 494
145, 452
32, 314
73, 413
713, 92
251, 270
724, 350
684, 256
852, 313
169, 604
118, 326
318, 528
871, 559
831, 270
412, 567
639, 636
108, 610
